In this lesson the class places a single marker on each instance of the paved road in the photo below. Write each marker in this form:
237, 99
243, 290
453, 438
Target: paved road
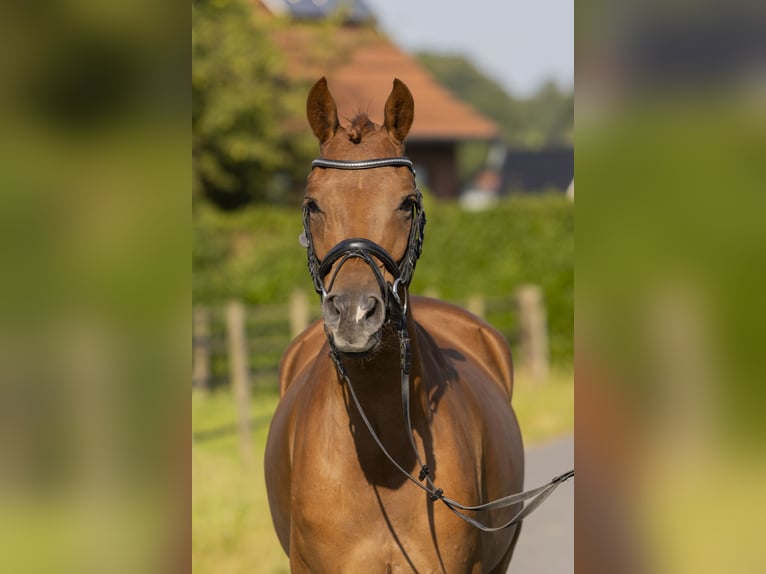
546, 544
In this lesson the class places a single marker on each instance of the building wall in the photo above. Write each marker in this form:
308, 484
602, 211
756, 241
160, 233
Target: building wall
538, 170
436, 165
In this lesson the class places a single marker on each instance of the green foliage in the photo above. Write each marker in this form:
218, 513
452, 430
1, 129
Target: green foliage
546, 118
255, 254
525, 239
241, 103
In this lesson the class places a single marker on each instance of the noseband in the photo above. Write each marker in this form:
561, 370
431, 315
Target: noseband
366, 249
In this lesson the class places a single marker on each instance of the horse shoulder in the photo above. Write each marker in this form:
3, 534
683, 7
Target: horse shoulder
294, 376
456, 328
299, 354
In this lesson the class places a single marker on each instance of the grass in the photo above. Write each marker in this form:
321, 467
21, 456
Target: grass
231, 526
545, 409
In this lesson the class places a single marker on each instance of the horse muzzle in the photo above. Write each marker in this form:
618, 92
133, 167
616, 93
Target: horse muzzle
355, 307
354, 319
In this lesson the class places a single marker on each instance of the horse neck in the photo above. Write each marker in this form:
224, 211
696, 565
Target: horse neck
377, 383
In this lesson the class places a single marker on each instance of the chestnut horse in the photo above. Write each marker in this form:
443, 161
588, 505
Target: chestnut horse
342, 452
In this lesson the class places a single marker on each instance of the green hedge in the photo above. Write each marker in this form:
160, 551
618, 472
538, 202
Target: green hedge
254, 254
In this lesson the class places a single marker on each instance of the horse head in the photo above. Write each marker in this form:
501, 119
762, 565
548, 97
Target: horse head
363, 217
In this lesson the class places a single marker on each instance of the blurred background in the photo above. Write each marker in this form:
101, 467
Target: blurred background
94, 290
671, 130
492, 144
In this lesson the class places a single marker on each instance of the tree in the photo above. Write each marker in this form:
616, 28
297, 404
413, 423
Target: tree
241, 101
545, 119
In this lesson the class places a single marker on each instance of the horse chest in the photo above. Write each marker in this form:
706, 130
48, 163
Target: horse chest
377, 530
347, 516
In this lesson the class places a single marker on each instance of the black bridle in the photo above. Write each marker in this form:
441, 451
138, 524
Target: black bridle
364, 248
396, 310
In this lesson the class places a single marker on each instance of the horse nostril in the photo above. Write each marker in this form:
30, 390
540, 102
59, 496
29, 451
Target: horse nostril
334, 305
359, 310
367, 308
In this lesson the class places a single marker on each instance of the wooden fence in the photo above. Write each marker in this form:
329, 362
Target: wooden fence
240, 345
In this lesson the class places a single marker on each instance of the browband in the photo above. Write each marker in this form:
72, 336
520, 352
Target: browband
364, 164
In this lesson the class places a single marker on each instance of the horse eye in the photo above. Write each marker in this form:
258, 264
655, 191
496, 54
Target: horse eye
311, 206
408, 205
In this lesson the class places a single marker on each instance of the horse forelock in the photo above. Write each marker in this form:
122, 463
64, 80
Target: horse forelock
360, 138
360, 126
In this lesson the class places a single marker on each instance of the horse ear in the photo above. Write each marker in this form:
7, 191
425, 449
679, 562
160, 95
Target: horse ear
399, 111
321, 111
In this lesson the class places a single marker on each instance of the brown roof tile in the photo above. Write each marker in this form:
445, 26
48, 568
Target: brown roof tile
360, 64
366, 79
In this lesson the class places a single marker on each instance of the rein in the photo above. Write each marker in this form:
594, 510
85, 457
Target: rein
538, 494
396, 310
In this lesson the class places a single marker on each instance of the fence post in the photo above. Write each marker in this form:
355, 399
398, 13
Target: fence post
533, 331
239, 371
476, 305
201, 348
299, 312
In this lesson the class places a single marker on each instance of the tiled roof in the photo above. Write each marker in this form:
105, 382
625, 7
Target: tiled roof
366, 80
360, 64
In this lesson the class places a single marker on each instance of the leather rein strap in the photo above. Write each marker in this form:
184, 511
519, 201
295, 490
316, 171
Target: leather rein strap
396, 310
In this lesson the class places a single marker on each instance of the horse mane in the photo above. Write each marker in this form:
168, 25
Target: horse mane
360, 126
